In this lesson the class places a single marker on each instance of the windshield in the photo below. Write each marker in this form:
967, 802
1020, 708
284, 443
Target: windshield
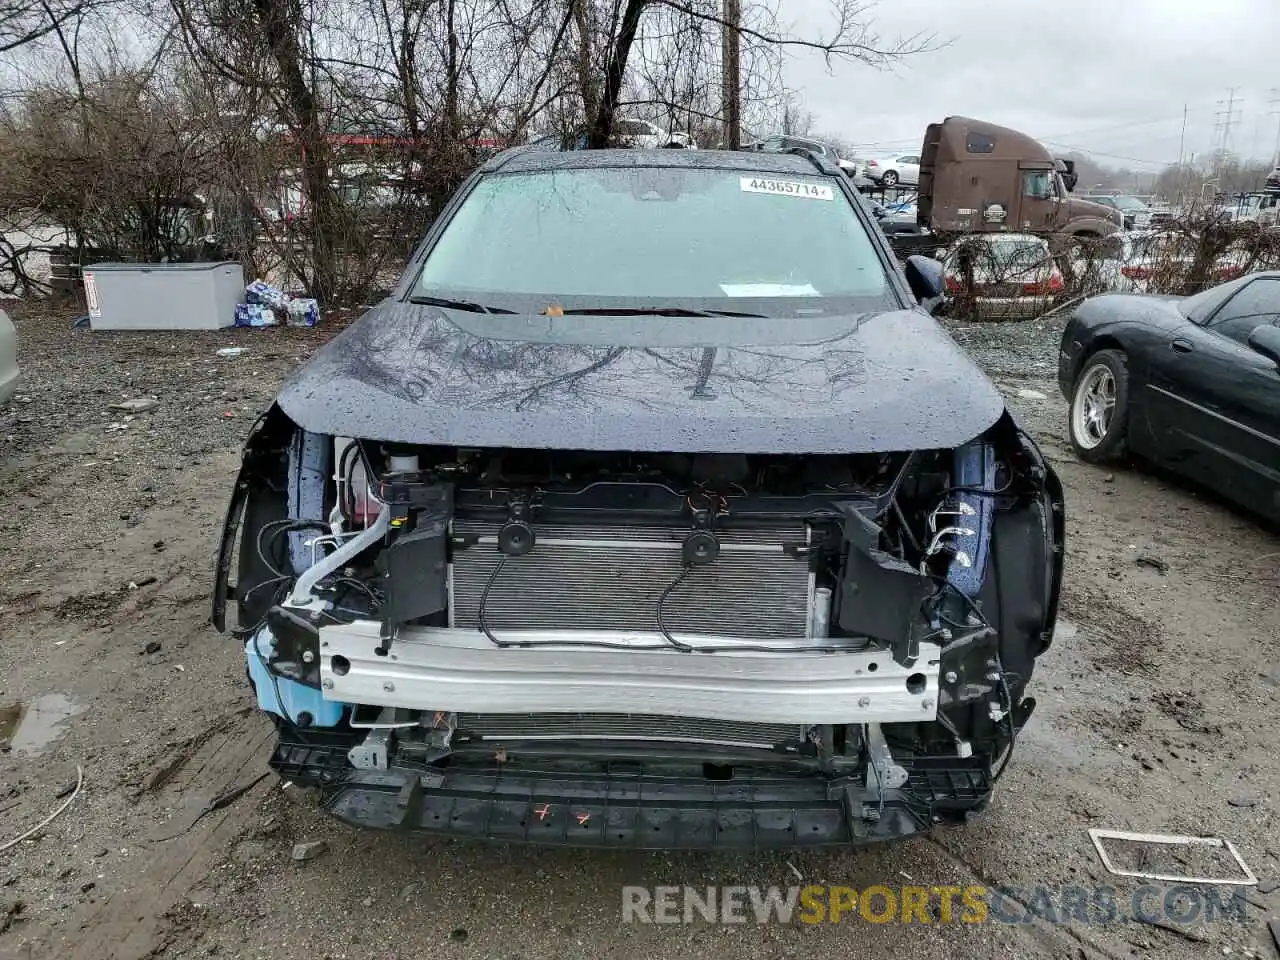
1018, 253
1199, 307
653, 237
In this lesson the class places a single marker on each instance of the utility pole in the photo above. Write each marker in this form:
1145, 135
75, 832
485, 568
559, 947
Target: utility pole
1274, 103
730, 48
1182, 142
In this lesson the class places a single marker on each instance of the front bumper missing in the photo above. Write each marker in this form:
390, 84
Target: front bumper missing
637, 809
460, 670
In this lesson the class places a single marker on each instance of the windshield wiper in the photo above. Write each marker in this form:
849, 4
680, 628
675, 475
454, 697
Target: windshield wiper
450, 304
654, 312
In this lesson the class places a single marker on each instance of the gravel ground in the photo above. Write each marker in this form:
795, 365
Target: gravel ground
1155, 713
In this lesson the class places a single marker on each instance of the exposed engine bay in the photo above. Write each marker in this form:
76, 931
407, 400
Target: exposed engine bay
867, 623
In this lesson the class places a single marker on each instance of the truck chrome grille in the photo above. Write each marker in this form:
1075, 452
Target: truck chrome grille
625, 726
610, 578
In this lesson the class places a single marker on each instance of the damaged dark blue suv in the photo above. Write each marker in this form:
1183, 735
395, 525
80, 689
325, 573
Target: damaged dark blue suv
651, 510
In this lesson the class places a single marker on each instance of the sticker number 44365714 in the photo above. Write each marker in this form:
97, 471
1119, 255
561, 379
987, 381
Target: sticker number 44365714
787, 188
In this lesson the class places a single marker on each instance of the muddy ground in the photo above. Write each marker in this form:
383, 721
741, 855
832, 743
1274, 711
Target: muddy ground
1157, 710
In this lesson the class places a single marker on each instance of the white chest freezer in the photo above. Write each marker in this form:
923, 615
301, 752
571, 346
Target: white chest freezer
163, 296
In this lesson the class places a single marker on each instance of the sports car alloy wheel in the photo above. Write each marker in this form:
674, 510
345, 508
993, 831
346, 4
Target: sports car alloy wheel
1094, 406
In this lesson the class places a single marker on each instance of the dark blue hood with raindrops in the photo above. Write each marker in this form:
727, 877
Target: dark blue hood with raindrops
421, 375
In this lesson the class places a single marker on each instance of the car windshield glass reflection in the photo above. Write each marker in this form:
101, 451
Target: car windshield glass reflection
777, 245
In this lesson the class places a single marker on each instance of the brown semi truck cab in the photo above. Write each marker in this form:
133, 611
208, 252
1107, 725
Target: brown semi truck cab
976, 177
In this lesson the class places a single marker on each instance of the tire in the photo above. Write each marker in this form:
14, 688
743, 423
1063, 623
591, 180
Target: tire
1096, 435
890, 178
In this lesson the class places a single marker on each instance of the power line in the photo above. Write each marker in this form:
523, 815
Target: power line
905, 141
1109, 156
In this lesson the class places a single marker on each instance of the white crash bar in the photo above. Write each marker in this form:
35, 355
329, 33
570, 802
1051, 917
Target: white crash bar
461, 670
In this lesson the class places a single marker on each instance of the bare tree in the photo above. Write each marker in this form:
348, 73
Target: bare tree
761, 35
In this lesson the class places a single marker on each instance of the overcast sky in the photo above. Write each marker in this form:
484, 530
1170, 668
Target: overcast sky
1107, 77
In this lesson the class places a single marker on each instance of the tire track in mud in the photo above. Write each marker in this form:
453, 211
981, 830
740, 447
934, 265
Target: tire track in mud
139, 920
1119, 641
1053, 940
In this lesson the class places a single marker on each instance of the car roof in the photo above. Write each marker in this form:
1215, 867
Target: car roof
524, 160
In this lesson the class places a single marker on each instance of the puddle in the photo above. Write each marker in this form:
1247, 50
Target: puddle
29, 728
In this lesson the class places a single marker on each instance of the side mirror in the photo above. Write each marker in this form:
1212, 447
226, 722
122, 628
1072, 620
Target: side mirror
1265, 339
924, 277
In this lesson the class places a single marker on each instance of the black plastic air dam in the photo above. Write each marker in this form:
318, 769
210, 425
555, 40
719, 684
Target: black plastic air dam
638, 810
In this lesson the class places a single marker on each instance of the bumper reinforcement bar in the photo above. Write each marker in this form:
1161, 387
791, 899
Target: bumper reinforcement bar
460, 670
637, 810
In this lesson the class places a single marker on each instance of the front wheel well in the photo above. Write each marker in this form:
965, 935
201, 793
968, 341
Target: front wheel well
1105, 341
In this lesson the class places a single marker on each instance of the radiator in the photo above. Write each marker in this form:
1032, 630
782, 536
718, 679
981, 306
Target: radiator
626, 726
610, 578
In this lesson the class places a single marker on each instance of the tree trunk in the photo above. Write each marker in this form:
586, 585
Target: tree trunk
280, 28
602, 126
588, 85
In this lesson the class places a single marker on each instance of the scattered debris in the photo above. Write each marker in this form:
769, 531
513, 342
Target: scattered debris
145, 581
49, 819
309, 850
255, 315
458, 935
1025, 394
86, 887
267, 306
795, 871
135, 406
231, 351
1241, 800
153, 646
1109, 478
1155, 563
65, 790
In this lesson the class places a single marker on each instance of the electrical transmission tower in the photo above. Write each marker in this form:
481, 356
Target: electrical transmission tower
1227, 116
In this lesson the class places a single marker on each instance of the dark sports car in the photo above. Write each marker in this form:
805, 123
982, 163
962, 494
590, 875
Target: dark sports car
1191, 383
651, 510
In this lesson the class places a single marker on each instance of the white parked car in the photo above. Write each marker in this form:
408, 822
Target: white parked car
892, 171
1151, 262
782, 143
643, 135
1014, 275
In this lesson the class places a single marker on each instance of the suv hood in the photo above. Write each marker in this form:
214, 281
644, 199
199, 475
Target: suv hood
415, 374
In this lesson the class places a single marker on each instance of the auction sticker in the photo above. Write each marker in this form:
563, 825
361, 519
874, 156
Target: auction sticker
786, 188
